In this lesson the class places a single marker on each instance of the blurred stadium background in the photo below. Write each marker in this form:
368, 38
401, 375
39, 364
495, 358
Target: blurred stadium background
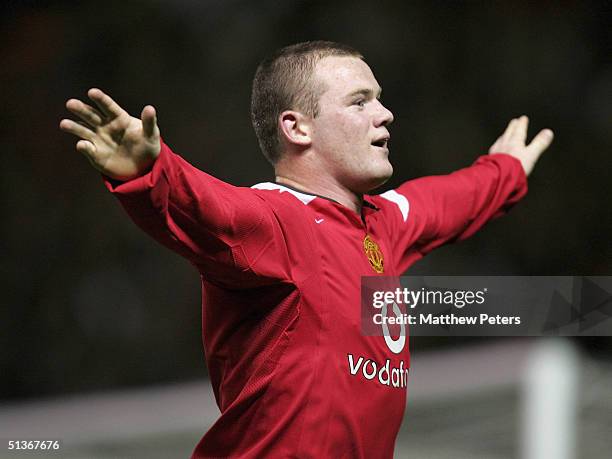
100, 327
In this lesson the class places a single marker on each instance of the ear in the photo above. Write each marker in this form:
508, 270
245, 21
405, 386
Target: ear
295, 128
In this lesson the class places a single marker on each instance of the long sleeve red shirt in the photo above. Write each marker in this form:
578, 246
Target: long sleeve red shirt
292, 374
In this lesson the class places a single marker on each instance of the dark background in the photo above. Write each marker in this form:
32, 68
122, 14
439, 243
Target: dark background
89, 302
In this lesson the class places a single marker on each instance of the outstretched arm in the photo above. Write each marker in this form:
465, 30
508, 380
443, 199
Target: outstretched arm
222, 229
120, 146
512, 142
432, 211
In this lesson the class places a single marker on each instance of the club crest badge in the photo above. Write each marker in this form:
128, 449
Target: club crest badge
375, 256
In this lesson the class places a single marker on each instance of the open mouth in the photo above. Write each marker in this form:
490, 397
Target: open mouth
381, 143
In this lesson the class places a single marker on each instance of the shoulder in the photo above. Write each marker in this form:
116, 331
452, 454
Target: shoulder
392, 202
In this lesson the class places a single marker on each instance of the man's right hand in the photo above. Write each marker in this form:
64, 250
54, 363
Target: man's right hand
117, 144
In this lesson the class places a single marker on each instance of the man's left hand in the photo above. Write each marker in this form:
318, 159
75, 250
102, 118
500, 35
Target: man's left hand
512, 142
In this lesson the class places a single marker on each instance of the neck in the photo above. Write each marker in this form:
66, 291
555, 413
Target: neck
322, 186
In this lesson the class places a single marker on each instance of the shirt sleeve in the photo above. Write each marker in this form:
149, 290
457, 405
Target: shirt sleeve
220, 228
431, 211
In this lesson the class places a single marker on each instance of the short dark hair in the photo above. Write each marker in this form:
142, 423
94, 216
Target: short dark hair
282, 82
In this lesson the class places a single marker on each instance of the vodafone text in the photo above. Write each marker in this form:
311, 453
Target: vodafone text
383, 374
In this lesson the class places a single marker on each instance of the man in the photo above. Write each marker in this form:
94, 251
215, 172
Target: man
281, 262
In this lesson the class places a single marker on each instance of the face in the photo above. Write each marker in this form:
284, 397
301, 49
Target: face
350, 132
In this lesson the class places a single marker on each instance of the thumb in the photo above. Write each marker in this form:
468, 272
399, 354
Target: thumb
87, 148
540, 142
149, 122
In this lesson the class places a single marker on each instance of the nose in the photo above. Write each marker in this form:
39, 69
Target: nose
384, 116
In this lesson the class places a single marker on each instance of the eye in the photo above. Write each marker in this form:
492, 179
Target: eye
359, 102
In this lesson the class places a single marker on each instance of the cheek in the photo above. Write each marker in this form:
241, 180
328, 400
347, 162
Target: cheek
350, 127
355, 125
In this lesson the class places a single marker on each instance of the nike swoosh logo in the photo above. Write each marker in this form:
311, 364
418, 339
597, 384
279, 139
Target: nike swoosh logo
319, 220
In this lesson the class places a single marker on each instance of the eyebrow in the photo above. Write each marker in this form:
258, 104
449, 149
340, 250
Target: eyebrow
364, 92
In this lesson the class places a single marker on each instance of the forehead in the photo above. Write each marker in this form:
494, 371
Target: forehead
345, 74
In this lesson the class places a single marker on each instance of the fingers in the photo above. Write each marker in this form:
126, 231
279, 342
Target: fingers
104, 102
505, 139
509, 129
541, 142
149, 121
512, 142
86, 147
74, 128
520, 131
516, 131
86, 112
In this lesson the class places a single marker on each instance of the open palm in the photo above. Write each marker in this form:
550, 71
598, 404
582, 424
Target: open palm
117, 144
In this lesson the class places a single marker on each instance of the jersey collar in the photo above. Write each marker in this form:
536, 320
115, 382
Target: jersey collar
304, 196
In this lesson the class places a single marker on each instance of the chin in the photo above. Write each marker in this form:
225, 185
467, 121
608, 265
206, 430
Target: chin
376, 179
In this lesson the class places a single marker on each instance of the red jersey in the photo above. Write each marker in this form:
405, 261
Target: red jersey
291, 371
